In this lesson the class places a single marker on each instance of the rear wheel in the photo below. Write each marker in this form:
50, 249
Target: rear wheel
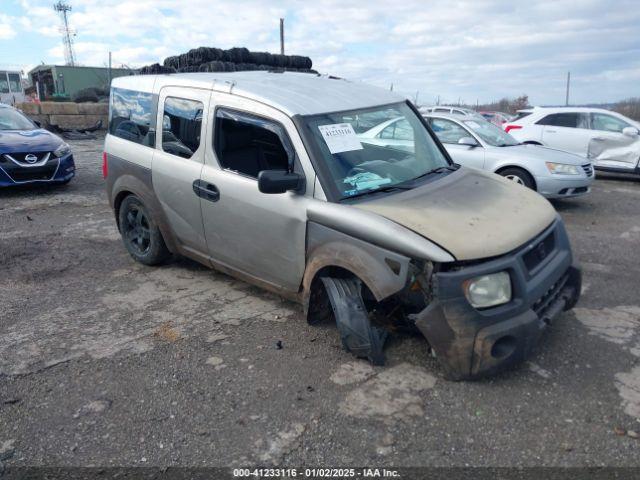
140, 234
519, 176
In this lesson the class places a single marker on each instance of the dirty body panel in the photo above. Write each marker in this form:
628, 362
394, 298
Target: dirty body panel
473, 342
472, 213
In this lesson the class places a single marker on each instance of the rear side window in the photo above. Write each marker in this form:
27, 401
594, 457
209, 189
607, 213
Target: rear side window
520, 115
247, 144
130, 116
568, 119
181, 126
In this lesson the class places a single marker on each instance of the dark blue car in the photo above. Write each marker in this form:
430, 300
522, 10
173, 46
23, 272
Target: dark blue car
29, 154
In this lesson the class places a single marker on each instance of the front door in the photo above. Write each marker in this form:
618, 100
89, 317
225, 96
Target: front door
450, 133
261, 235
178, 160
609, 146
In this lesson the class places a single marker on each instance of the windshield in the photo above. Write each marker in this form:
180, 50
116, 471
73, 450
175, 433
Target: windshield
373, 149
11, 119
491, 134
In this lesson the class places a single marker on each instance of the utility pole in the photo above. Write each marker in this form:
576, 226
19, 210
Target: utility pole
62, 8
109, 84
415, 101
568, 84
282, 36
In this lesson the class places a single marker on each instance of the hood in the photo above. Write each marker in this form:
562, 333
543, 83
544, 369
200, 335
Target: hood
470, 213
539, 153
38, 140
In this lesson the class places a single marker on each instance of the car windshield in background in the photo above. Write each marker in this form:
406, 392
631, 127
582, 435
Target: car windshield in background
374, 149
11, 119
491, 134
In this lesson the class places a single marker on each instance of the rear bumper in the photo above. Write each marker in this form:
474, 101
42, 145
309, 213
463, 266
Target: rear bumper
472, 343
57, 170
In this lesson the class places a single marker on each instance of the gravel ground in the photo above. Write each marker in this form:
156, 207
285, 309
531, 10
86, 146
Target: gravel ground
110, 363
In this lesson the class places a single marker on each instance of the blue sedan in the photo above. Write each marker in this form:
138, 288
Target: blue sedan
29, 154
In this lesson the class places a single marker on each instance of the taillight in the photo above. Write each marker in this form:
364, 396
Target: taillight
508, 128
105, 165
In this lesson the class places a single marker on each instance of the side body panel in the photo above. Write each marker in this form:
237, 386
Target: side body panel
173, 177
384, 272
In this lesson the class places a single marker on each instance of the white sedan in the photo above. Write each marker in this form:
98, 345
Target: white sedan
480, 144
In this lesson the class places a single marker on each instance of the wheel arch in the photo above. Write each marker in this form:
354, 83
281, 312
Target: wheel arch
127, 185
502, 168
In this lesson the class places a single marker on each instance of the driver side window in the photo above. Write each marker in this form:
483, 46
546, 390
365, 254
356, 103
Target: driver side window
247, 144
447, 131
607, 123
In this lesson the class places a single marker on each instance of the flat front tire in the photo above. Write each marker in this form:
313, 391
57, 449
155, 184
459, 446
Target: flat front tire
141, 236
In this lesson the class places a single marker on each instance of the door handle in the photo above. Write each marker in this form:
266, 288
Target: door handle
206, 190
550, 131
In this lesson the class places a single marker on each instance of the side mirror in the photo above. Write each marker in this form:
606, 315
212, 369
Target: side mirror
279, 181
630, 131
468, 141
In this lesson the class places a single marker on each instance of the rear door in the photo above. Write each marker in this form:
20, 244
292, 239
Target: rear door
568, 131
178, 161
449, 133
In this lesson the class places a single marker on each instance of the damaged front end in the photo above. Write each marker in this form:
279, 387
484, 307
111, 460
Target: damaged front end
468, 341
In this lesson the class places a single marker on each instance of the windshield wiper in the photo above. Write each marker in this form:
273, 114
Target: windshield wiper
390, 188
442, 169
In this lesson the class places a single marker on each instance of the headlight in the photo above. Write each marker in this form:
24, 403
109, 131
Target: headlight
488, 290
563, 168
62, 150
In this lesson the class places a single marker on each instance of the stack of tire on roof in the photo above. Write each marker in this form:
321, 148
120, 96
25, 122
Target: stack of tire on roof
205, 59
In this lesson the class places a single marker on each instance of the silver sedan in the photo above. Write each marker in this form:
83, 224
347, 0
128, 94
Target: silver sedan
480, 144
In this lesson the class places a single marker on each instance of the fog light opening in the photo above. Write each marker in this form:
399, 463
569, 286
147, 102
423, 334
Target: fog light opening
503, 347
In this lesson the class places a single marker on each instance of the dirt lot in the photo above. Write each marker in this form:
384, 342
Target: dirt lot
107, 362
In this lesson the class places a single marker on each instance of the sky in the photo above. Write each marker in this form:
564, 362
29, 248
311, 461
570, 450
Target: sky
467, 50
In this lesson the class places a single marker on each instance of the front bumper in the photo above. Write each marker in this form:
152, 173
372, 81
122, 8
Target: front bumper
564, 186
55, 170
471, 343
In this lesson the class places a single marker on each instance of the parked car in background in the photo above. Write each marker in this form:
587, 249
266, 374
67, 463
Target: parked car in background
483, 145
11, 91
497, 118
29, 154
609, 139
464, 112
272, 184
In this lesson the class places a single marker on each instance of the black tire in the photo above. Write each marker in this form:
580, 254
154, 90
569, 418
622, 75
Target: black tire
520, 176
140, 234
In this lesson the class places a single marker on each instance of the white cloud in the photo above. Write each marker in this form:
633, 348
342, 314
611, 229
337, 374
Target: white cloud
473, 49
6, 27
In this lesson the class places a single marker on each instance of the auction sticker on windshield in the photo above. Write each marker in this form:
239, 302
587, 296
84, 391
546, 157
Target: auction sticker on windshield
340, 137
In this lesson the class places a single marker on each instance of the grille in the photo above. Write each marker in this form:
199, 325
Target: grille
27, 174
539, 252
546, 302
588, 169
20, 157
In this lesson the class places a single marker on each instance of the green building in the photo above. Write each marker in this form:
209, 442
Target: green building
62, 81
